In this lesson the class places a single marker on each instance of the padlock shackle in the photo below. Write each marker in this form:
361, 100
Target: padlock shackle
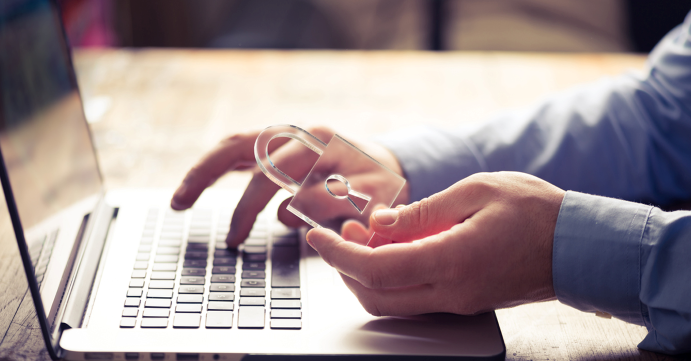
261, 152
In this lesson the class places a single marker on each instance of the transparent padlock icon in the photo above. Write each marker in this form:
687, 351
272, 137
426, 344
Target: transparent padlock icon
344, 183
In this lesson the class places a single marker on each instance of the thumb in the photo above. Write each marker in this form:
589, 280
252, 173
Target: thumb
425, 218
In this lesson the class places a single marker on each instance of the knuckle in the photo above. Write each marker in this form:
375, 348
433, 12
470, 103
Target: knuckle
418, 214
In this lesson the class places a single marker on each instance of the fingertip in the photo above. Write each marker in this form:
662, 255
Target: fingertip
317, 236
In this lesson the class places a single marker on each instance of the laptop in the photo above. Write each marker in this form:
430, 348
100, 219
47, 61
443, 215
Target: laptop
118, 275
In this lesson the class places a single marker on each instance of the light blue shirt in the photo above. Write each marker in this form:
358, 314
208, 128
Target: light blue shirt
612, 143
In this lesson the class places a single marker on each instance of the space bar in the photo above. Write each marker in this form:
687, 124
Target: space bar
285, 263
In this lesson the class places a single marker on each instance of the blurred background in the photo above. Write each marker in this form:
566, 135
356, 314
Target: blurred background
502, 25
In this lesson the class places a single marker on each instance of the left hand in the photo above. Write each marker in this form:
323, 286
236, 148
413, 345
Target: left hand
482, 244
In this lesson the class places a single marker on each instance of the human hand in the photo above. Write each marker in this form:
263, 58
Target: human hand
482, 244
237, 153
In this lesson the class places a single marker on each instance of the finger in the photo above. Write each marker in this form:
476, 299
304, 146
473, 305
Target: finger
287, 217
431, 215
261, 189
400, 301
235, 151
257, 195
355, 231
396, 265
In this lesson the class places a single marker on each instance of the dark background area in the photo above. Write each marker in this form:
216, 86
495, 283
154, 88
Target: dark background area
522, 25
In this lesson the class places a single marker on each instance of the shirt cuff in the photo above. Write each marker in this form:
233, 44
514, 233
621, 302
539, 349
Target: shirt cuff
432, 159
596, 255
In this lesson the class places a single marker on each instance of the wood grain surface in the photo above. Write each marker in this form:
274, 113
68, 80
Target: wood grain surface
160, 110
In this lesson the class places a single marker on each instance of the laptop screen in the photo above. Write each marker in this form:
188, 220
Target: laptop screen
44, 138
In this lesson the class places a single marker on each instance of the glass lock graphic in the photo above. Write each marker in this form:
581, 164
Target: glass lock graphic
344, 183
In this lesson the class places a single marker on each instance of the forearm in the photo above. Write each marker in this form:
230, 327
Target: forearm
626, 137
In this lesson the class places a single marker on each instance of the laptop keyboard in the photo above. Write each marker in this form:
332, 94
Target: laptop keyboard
186, 277
40, 252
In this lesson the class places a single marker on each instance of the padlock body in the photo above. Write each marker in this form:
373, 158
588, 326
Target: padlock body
371, 184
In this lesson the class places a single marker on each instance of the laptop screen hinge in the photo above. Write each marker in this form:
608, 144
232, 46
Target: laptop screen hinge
79, 289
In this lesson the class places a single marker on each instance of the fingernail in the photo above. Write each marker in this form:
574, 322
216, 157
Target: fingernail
386, 217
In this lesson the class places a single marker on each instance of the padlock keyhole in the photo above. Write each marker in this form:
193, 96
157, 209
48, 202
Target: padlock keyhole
358, 200
337, 188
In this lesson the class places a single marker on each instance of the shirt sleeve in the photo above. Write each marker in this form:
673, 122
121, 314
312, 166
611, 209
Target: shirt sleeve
627, 137
629, 260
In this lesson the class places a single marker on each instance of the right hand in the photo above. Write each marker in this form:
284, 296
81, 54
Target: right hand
237, 153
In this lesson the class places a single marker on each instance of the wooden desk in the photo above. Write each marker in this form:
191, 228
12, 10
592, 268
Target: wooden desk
168, 107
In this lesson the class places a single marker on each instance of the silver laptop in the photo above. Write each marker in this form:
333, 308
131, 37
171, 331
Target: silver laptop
119, 275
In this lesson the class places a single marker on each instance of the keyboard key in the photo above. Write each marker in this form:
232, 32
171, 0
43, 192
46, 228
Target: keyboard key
252, 301
143, 256
128, 322
145, 248
156, 312
283, 232
225, 253
159, 294
169, 243
141, 265
285, 293
224, 261
163, 275
286, 314
253, 283
191, 289
253, 292
195, 263
221, 244
187, 320
147, 240
198, 247
168, 250
132, 302
189, 307
165, 267
198, 239
134, 292
285, 267
171, 235
250, 317
157, 303
253, 274
289, 324
220, 306
154, 323
222, 287
289, 304
137, 283
223, 279
219, 319
223, 270
194, 272
139, 274
130, 312
286, 241
255, 242
254, 250
196, 255
253, 266
218, 296
162, 284
261, 257
166, 259
192, 281
190, 298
